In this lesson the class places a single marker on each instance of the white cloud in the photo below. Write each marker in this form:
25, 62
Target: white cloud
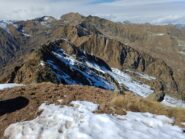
158, 11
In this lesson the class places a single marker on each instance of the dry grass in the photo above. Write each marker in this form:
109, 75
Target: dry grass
130, 102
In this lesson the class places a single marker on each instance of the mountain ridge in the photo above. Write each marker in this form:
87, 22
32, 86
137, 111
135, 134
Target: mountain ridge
96, 35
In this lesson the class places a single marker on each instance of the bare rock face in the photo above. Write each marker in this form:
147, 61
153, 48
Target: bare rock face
62, 62
8, 46
121, 56
162, 42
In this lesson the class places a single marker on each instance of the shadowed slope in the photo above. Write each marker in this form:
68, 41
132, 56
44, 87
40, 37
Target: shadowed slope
12, 105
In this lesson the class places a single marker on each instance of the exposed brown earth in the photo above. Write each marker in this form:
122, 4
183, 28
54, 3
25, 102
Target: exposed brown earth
23, 102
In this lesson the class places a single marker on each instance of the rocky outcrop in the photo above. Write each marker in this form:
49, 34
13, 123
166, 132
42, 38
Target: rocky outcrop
118, 55
8, 46
62, 62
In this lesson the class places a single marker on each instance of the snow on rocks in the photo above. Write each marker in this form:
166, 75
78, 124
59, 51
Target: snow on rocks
60, 54
159, 34
22, 31
143, 89
60, 74
134, 86
97, 67
25, 34
145, 76
10, 85
89, 71
92, 76
142, 75
42, 63
173, 102
46, 21
4, 25
79, 122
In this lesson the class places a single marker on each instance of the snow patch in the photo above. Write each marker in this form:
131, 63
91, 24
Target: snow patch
79, 122
10, 85
159, 34
42, 63
173, 102
142, 75
134, 86
46, 21
143, 89
22, 31
4, 25
60, 54
46, 18
26, 35
181, 43
182, 52
96, 67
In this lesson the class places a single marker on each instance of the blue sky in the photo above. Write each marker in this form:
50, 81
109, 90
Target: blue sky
138, 11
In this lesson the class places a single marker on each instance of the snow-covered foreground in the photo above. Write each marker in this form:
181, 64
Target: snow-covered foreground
10, 85
79, 122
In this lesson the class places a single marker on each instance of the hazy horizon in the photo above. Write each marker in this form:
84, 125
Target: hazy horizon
135, 11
